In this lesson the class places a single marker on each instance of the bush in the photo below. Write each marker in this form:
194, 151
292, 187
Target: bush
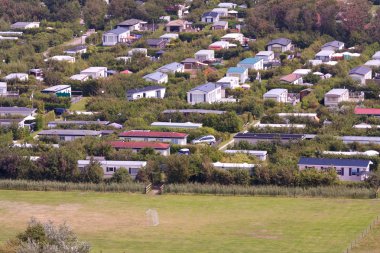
121, 176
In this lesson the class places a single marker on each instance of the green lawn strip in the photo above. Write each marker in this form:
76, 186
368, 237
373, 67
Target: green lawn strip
116, 222
80, 106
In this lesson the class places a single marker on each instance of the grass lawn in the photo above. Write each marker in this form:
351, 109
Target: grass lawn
80, 106
370, 243
116, 222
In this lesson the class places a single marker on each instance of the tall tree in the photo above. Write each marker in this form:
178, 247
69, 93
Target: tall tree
122, 8
355, 14
94, 13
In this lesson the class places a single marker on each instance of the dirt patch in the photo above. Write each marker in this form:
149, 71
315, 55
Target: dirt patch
75, 215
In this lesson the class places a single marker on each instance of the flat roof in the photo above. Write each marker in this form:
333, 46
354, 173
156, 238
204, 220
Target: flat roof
276, 92
264, 53
245, 151
360, 138
94, 69
325, 53
153, 134
115, 163
238, 70
70, 132
233, 165
200, 111
175, 124
337, 92
146, 88
208, 87
17, 110
139, 145
333, 162
56, 88
297, 114
269, 136
79, 122
232, 36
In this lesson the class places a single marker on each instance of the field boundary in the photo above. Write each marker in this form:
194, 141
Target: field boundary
337, 191
361, 236
24, 185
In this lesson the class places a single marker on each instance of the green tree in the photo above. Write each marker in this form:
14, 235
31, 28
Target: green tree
94, 12
177, 169
93, 172
121, 176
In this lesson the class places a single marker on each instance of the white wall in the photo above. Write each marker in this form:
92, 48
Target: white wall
177, 141
345, 176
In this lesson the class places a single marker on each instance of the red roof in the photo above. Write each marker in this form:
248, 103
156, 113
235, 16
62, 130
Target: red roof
367, 111
290, 78
139, 145
153, 134
126, 72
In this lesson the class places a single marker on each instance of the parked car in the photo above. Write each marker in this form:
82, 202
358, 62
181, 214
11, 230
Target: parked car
208, 139
184, 151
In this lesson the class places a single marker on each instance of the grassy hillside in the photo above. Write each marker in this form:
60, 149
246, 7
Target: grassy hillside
116, 222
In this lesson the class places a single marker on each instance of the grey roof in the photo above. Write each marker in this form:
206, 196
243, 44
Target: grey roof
334, 43
190, 60
269, 136
277, 91
200, 111
155, 42
334, 162
326, 53
147, 88
360, 139
118, 31
220, 23
264, 53
21, 24
171, 67
56, 88
376, 55
70, 132
156, 76
7, 122
17, 110
130, 22
280, 41
210, 14
336, 92
79, 122
361, 70
206, 87
244, 151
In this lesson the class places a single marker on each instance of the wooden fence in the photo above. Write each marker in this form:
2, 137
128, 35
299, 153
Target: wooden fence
361, 236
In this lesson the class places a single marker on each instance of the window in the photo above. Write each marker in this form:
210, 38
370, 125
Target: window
110, 169
356, 172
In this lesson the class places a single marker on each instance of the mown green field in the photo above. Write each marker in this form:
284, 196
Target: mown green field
116, 222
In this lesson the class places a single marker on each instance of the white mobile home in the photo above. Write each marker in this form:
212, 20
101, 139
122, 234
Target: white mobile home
146, 92
110, 167
206, 93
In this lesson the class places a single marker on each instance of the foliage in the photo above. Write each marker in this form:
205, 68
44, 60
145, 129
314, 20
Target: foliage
46, 237
121, 176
